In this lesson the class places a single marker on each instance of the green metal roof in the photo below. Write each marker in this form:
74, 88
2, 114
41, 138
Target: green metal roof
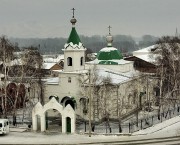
109, 55
74, 37
108, 62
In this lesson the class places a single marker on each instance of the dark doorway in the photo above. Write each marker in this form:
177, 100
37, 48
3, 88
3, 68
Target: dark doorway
68, 124
38, 123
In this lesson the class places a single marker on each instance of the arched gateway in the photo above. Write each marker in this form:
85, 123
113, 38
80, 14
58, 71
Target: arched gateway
68, 115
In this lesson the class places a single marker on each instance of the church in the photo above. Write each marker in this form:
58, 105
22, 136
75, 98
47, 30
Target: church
111, 81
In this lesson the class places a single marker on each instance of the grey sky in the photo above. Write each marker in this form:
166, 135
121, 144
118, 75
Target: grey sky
50, 18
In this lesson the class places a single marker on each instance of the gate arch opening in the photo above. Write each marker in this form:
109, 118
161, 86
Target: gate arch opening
53, 105
53, 120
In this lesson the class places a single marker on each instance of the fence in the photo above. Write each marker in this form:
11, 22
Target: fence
131, 125
152, 120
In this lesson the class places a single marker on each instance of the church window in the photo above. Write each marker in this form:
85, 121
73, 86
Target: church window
69, 61
69, 79
81, 61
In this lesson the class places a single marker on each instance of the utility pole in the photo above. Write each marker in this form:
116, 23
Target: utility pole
90, 103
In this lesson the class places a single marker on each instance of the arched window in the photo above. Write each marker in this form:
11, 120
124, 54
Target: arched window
69, 61
81, 61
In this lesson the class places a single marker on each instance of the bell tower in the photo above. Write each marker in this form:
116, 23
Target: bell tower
74, 50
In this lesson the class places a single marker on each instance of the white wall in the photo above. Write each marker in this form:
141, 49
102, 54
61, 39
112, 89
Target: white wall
65, 88
118, 68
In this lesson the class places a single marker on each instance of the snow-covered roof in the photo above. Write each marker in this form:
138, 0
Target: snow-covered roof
147, 58
146, 54
48, 65
115, 77
52, 81
108, 49
144, 50
53, 58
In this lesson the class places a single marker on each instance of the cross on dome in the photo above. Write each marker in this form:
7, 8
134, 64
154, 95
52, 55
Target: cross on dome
73, 9
109, 38
73, 20
109, 29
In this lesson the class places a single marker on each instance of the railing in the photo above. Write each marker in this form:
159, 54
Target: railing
131, 125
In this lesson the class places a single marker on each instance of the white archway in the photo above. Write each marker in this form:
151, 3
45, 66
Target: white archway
40, 110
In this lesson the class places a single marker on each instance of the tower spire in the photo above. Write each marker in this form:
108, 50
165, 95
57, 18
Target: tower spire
73, 37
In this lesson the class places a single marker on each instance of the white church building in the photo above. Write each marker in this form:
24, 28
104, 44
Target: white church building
109, 82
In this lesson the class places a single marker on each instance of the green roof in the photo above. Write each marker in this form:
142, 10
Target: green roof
108, 62
74, 37
109, 55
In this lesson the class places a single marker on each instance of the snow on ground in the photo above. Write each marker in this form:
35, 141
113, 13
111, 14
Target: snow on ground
167, 128
170, 126
54, 138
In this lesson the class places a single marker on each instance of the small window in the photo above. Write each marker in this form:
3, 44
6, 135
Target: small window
81, 61
7, 123
0, 124
69, 79
69, 61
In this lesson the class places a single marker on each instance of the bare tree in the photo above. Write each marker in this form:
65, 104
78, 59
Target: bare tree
104, 107
26, 72
18, 70
6, 55
168, 60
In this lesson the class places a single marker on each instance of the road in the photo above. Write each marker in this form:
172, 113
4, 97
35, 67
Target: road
58, 138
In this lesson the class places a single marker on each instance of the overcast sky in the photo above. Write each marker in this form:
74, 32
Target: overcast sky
50, 18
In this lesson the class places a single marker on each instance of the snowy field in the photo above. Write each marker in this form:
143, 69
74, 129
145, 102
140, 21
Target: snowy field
167, 128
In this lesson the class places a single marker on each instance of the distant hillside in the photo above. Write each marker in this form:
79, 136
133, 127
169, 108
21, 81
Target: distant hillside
124, 43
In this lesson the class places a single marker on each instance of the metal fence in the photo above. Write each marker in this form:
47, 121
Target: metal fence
131, 125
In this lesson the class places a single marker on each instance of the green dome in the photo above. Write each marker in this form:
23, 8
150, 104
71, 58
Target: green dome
74, 37
109, 53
